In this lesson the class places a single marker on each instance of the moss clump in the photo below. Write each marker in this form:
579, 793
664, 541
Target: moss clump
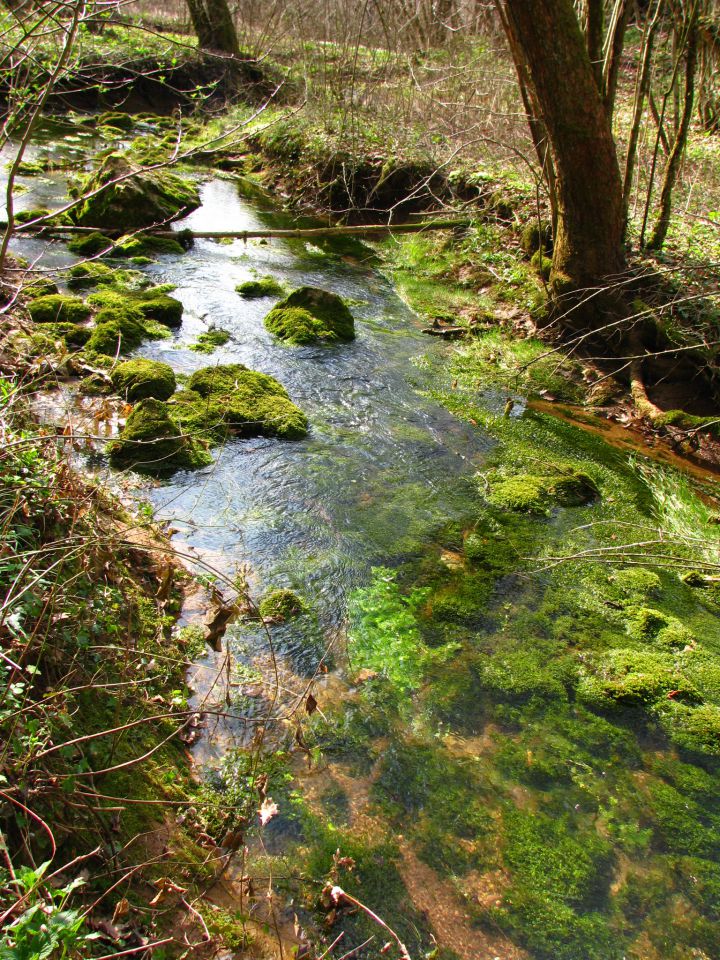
536, 238
542, 265
25, 216
209, 341
95, 385
159, 307
90, 244
117, 330
111, 118
57, 308
633, 678
139, 378
41, 287
263, 287
531, 493
151, 442
90, 275
309, 314
281, 605
240, 401
146, 245
693, 728
129, 199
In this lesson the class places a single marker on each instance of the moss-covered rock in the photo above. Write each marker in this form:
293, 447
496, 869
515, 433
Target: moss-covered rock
146, 245
117, 330
159, 307
209, 341
236, 400
151, 442
90, 274
309, 314
57, 308
139, 378
112, 118
132, 199
533, 493
40, 287
279, 605
693, 728
89, 244
262, 287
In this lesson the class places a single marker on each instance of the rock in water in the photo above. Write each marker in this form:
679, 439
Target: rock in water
137, 199
309, 314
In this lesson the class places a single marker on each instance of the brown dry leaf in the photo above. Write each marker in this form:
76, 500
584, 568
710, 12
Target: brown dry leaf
165, 886
122, 909
310, 704
268, 810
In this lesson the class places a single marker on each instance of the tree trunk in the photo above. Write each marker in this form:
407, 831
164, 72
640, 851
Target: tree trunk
589, 213
214, 26
672, 166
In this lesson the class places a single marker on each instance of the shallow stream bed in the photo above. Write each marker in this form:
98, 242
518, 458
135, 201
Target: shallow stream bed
507, 749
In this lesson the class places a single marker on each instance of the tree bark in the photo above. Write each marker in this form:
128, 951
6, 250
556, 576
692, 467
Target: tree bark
589, 218
214, 26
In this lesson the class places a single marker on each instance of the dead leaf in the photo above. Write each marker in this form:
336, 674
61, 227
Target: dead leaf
122, 909
267, 811
310, 704
165, 886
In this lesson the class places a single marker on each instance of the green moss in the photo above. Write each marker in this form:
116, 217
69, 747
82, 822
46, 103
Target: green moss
89, 244
159, 307
542, 265
74, 334
282, 604
90, 275
130, 199
536, 238
151, 442
147, 245
680, 824
530, 493
207, 342
693, 728
57, 308
309, 314
263, 287
232, 399
116, 331
140, 378
520, 674
632, 678
111, 118
95, 386
40, 287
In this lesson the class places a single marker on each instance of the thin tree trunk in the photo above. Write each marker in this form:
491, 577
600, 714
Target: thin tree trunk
641, 91
613, 51
594, 38
672, 167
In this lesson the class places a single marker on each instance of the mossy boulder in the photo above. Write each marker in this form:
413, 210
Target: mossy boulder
73, 334
233, 399
534, 493
90, 274
139, 378
146, 245
57, 308
263, 287
308, 315
693, 728
159, 307
132, 199
542, 265
279, 605
117, 330
89, 244
151, 442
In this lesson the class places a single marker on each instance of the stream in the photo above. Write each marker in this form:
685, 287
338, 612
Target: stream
368, 519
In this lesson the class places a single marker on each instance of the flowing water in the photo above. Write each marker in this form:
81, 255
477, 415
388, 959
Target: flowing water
435, 787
